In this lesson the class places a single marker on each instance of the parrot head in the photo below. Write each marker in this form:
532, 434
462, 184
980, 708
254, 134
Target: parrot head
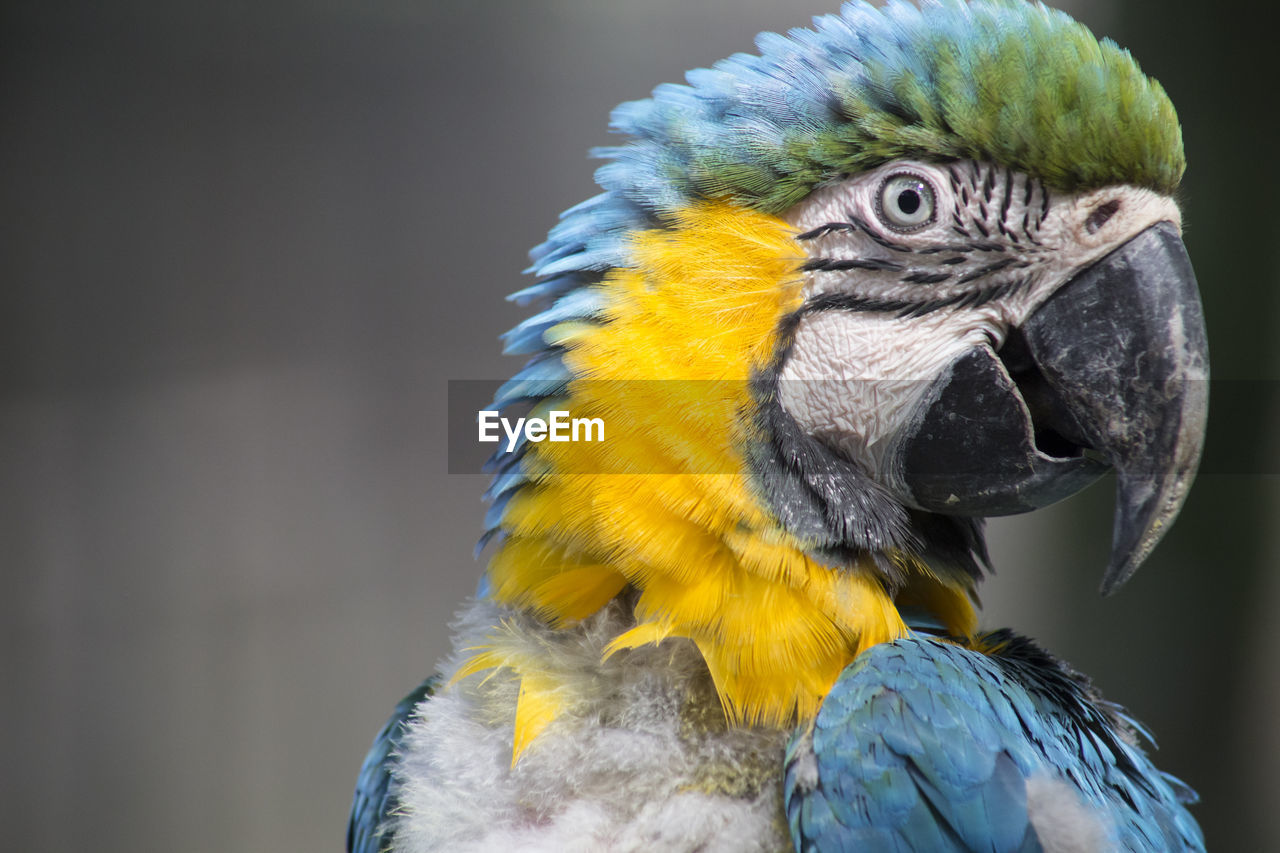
838, 302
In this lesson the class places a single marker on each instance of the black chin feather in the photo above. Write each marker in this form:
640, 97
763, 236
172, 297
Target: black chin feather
839, 511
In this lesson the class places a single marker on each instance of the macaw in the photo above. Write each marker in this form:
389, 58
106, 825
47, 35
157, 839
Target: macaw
838, 302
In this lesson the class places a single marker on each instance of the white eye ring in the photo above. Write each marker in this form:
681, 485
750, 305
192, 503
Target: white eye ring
906, 202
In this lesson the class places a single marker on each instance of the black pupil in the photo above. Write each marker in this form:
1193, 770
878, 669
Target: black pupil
909, 201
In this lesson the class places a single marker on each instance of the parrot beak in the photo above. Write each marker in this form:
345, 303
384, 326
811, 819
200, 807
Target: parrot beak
1111, 371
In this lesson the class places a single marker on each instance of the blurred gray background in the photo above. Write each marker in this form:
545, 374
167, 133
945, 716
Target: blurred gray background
244, 248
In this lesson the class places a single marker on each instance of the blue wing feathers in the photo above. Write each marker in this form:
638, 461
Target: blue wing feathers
526, 338
925, 745
375, 799
542, 377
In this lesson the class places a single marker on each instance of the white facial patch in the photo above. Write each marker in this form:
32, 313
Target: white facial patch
888, 308
853, 379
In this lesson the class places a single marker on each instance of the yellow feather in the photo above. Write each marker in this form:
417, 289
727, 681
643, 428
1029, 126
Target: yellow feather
484, 659
536, 707
541, 697
641, 635
575, 594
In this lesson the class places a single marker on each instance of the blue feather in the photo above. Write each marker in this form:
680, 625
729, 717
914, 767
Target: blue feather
548, 289
505, 482
542, 377
925, 745
376, 799
527, 337
493, 517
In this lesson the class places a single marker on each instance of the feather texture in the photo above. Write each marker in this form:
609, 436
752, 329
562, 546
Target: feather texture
639, 756
667, 504
1003, 80
927, 745
377, 796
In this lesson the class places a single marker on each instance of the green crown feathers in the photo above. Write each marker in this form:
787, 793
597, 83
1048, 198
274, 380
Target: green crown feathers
1000, 80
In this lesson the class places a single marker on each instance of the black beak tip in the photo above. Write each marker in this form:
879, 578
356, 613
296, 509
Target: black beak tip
1146, 506
1119, 570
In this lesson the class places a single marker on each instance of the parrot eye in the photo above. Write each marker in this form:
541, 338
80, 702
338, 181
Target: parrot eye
906, 202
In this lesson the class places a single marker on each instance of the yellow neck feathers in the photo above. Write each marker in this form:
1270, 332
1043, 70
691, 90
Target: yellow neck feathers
665, 503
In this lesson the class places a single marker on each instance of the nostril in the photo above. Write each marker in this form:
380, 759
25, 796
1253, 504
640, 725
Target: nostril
1100, 215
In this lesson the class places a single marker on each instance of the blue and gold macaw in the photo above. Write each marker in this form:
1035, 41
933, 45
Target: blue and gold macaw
837, 303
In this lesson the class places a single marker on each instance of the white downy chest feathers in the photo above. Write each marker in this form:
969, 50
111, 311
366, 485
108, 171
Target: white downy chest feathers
639, 758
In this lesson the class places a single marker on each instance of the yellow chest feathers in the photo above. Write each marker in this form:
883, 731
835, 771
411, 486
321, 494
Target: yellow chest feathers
665, 504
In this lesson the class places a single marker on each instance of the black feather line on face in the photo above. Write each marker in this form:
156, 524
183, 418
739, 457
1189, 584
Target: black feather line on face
823, 230
857, 223
987, 270
905, 307
842, 264
923, 277
1008, 194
